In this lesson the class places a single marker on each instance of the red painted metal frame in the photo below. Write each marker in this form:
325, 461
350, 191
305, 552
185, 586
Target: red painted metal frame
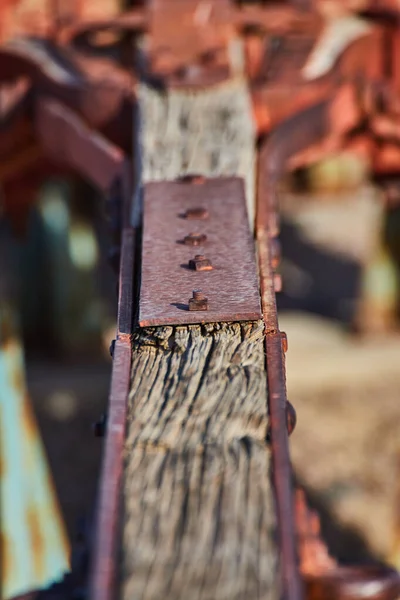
105, 549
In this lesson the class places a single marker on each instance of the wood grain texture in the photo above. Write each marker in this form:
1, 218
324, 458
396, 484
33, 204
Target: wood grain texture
210, 133
199, 515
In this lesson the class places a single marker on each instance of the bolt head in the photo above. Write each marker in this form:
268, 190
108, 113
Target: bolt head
194, 239
291, 418
197, 213
198, 295
198, 301
200, 263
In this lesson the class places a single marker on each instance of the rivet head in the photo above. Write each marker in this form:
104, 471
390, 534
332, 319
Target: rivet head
291, 420
196, 213
198, 301
194, 239
200, 263
291, 417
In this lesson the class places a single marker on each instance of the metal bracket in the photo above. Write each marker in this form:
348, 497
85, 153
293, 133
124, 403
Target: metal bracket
198, 266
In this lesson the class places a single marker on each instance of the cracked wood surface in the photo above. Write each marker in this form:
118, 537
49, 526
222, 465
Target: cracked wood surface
199, 519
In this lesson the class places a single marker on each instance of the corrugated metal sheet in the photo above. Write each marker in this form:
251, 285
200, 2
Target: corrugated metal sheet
34, 549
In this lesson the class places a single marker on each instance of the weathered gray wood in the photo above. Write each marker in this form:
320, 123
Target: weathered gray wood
210, 133
199, 516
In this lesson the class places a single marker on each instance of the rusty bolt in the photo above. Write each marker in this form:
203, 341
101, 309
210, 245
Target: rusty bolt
291, 418
198, 301
194, 239
196, 213
284, 341
277, 282
200, 263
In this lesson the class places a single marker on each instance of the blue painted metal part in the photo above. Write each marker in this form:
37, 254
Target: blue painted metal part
34, 549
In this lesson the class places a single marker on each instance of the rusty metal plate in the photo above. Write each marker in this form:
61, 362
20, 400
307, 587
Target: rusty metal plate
171, 214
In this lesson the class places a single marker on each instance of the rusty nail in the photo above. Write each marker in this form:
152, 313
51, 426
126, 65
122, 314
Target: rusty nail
194, 239
284, 341
277, 282
196, 213
200, 263
198, 301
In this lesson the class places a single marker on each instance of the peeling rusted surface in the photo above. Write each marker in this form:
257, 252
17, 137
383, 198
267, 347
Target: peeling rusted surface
167, 282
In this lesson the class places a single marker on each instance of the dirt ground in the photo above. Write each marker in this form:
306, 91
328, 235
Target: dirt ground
67, 400
346, 446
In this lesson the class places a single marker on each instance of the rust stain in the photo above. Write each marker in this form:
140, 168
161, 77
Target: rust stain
18, 380
6, 556
28, 421
37, 541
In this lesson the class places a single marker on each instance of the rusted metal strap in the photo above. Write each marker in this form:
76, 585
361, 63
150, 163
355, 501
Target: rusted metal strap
270, 167
105, 557
281, 468
105, 549
125, 300
196, 238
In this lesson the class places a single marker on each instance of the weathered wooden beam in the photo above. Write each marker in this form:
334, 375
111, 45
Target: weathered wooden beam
198, 505
199, 518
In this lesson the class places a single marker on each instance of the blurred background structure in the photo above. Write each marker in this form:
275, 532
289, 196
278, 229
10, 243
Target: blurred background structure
340, 310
